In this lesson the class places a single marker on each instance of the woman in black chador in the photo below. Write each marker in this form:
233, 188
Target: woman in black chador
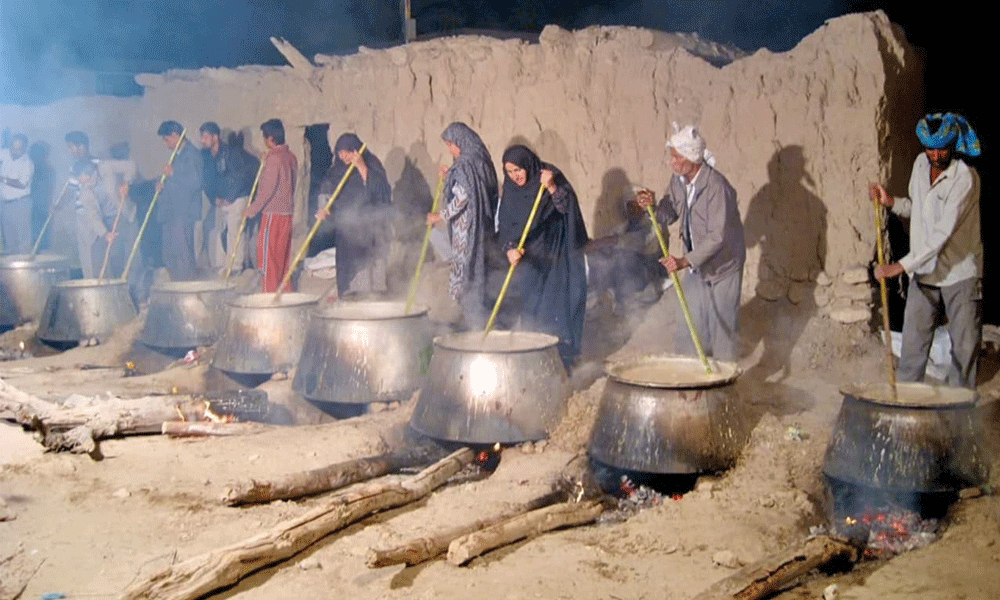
549, 291
359, 223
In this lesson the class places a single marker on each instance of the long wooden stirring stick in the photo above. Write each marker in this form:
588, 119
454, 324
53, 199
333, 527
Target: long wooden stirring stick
510, 271
315, 228
243, 221
423, 249
152, 205
885, 300
680, 293
123, 192
48, 219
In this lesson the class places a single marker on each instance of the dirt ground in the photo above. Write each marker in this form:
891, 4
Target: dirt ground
88, 529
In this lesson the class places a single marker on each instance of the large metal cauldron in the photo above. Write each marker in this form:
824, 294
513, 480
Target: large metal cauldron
25, 284
926, 440
186, 314
509, 387
262, 336
85, 309
363, 352
664, 414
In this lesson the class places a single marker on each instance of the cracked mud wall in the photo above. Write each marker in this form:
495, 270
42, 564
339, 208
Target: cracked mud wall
799, 134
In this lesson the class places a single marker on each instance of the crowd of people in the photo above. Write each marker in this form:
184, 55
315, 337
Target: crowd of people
532, 220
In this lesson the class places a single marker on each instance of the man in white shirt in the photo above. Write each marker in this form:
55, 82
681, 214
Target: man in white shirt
945, 262
16, 171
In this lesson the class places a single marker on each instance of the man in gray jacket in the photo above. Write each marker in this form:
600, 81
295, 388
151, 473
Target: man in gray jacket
714, 251
180, 205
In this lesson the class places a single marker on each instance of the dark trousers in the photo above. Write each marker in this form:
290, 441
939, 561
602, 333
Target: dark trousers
177, 250
961, 303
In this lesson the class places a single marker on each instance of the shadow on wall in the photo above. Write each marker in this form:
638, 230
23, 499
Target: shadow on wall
412, 197
615, 186
788, 222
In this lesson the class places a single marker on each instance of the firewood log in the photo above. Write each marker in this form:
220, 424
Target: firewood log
78, 427
223, 567
766, 577
420, 549
536, 522
325, 479
209, 428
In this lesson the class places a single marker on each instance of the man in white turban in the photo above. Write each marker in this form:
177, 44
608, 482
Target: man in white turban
712, 233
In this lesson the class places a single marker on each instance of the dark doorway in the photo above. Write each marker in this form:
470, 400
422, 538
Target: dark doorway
320, 159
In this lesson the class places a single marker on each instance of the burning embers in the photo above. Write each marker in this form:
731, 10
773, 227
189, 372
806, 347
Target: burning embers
883, 523
893, 531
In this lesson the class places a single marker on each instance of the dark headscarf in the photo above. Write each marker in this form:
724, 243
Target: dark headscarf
517, 201
551, 277
473, 170
349, 142
359, 221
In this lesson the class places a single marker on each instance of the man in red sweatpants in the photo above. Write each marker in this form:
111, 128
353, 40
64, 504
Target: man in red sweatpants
274, 204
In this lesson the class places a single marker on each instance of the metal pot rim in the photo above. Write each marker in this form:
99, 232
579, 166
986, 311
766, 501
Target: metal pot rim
90, 283
910, 395
723, 372
496, 342
189, 287
24, 261
261, 300
368, 310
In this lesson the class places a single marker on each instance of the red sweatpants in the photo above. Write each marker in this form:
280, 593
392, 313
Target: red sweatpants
274, 250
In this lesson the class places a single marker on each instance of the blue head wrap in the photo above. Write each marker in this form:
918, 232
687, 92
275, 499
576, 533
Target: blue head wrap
954, 129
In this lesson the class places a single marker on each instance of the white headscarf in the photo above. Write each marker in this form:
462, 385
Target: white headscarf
689, 144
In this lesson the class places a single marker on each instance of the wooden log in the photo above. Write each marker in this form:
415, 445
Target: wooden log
775, 572
324, 479
209, 428
223, 567
79, 424
536, 522
425, 548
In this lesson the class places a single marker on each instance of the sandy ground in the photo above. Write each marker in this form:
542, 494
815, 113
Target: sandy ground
87, 529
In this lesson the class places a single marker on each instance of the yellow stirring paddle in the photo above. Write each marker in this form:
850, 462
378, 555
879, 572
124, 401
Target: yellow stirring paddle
243, 221
680, 293
315, 228
423, 249
123, 192
885, 300
48, 219
152, 205
510, 271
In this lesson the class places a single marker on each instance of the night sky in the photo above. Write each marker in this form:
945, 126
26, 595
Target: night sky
38, 38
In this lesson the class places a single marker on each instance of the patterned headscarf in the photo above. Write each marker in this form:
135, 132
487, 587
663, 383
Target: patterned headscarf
689, 144
953, 129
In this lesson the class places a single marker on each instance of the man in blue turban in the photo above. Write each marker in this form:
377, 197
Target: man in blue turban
945, 261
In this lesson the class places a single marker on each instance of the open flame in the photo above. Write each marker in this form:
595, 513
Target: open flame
207, 414
216, 417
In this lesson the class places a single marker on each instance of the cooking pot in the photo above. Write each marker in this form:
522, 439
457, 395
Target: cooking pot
363, 352
665, 414
508, 387
262, 336
84, 309
925, 440
186, 314
25, 284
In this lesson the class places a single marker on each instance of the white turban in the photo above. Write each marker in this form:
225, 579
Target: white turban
689, 144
